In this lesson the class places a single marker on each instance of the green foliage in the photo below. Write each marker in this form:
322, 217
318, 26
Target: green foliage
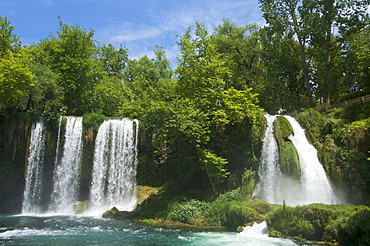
312, 222
46, 95
72, 56
248, 182
15, 78
302, 221
289, 161
9, 42
239, 46
92, 120
312, 121
108, 95
114, 61
355, 229
185, 212
227, 211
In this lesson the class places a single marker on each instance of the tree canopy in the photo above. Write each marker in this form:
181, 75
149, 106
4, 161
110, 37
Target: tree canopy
196, 116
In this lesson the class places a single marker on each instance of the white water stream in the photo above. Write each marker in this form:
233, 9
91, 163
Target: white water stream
275, 187
34, 187
67, 170
268, 188
315, 185
114, 169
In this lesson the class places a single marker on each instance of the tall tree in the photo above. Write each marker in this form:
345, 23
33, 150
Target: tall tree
241, 50
72, 56
15, 79
283, 16
114, 61
15, 76
281, 59
8, 40
330, 24
313, 23
204, 83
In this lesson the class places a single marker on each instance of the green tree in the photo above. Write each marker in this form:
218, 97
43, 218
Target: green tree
323, 19
46, 95
356, 61
8, 40
283, 17
283, 73
15, 79
241, 50
203, 79
314, 24
72, 56
114, 61
146, 81
108, 96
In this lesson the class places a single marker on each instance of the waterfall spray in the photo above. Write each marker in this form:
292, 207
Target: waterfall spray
67, 170
275, 187
315, 185
33, 188
268, 187
114, 168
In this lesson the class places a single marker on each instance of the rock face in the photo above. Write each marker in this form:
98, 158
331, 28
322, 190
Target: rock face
81, 207
289, 161
114, 213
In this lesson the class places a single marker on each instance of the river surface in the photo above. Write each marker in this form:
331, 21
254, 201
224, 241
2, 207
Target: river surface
75, 230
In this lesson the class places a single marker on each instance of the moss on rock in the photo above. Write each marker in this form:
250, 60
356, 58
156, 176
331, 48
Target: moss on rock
345, 223
289, 161
81, 207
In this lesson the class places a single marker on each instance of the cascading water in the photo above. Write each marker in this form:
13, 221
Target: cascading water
33, 188
268, 187
315, 185
67, 169
114, 168
275, 187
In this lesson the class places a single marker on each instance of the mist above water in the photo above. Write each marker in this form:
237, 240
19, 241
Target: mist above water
278, 188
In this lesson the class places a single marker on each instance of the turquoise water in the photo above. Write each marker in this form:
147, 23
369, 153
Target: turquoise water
74, 230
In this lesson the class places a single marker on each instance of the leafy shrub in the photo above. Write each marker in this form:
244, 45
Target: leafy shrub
347, 224
185, 212
313, 121
92, 119
248, 183
232, 213
355, 229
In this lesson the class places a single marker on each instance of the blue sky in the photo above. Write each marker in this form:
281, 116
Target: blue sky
138, 25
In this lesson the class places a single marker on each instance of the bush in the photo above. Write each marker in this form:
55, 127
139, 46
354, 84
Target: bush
185, 212
232, 213
92, 120
355, 229
347, 224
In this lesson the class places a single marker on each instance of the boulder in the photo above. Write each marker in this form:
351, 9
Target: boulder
289, 160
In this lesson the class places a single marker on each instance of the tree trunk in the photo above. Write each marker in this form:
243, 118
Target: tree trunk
303, 54
210, 180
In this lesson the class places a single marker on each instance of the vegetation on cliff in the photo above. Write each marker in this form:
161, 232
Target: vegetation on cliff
202, 123
288, 156
343, 142
343, 224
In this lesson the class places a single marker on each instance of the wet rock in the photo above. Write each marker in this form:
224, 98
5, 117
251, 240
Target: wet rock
114, 213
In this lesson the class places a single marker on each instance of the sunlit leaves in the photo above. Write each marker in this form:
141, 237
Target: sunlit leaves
15, 78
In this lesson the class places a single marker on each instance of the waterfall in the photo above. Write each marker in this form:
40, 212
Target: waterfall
114, 168
276, 187
268, 187
315, 185
33, 188
67, 168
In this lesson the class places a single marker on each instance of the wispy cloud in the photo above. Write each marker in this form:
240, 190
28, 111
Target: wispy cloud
166, 23
128, 32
